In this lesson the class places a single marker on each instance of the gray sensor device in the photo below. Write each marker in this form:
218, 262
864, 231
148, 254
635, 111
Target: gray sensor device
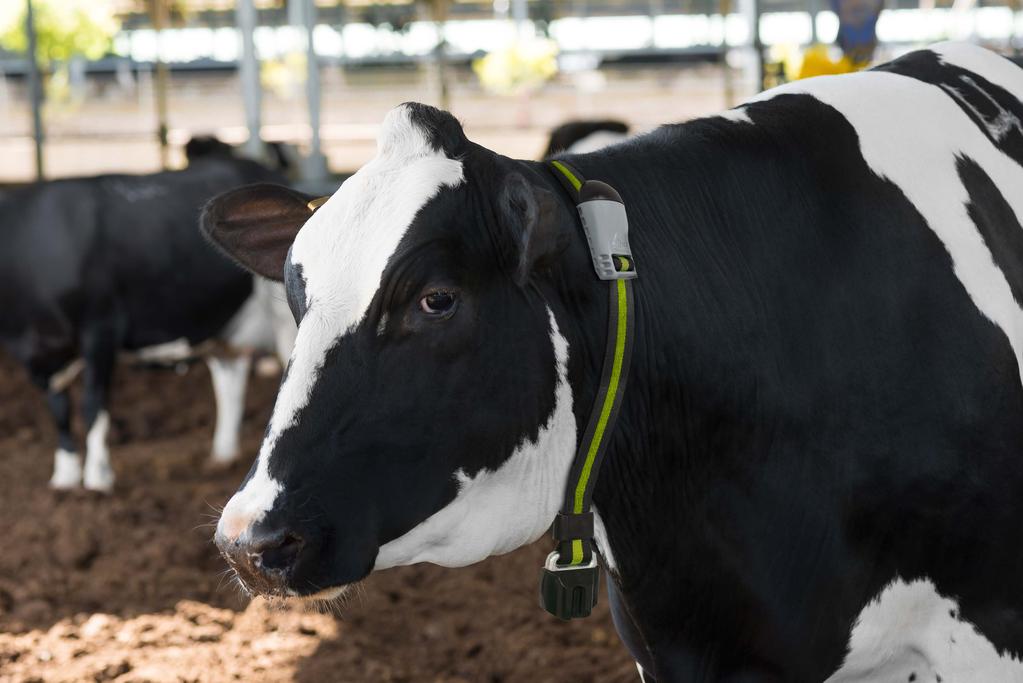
606, 226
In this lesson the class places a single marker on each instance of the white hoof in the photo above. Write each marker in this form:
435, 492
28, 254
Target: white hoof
98, 477
67, 470
222, 457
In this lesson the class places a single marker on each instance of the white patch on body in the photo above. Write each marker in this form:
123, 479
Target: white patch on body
229, 377
918, 153
739, 115
498, 511
600, 538
67, 470
343, 250
263, 323
911, 629
98, 475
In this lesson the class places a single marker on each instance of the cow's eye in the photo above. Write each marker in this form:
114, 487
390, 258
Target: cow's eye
438, 303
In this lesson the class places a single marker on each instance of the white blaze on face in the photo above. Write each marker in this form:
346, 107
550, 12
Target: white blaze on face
343, 250
911, 632
498, 511
915, 141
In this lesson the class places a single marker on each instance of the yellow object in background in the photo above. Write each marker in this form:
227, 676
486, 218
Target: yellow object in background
520, 67
787, 62
817, 62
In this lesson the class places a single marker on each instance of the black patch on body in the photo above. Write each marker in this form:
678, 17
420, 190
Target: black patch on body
441, 128
996, 112
996, 222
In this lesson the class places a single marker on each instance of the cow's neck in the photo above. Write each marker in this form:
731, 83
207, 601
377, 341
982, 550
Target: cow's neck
641, 492
631, 480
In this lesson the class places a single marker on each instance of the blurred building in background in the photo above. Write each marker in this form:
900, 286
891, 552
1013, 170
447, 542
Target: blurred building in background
120, 77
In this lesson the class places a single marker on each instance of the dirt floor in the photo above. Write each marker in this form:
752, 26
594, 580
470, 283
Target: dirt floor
129, 587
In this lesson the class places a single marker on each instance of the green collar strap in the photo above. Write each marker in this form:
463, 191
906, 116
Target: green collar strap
570, 579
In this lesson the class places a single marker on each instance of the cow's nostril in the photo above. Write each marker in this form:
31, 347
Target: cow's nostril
281, 555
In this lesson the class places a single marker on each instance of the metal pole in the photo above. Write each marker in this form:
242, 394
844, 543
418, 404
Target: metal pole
316, 166
814, 10
35, 90
440, 16
248, 72
520, 14
758, 46
160, 21
727, 82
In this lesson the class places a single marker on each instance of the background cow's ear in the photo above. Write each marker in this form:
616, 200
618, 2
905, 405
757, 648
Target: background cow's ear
256, 224
531, 215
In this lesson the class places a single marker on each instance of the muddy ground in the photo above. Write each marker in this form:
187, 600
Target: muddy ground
129, 588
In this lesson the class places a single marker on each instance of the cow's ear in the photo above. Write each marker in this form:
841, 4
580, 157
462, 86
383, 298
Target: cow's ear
532, 216
256, 224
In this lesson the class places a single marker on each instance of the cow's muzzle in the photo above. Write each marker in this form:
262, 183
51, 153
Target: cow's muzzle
264, 558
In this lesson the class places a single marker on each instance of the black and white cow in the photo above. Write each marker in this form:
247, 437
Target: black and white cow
817, 471
93, 266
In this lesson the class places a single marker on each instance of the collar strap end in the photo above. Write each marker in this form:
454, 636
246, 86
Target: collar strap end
574, 526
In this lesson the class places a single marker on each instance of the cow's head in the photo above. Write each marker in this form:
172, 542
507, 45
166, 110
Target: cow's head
426, 413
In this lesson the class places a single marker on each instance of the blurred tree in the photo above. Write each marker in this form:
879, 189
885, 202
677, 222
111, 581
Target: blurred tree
519, 68
67, 33
65, 29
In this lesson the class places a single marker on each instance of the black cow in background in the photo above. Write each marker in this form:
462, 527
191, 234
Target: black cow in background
94, 266
579, 137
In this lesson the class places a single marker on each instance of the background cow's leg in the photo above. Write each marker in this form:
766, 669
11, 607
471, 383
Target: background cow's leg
229, 376
67, 463
100, 351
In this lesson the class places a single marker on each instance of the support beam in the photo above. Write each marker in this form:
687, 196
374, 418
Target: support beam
758, 45
815, 8
439, 16
248, 73
316, 163
35, 88
160, 18
727, 82
520, 14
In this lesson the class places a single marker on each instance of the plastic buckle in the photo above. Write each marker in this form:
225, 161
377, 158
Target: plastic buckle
569, 591
606, 225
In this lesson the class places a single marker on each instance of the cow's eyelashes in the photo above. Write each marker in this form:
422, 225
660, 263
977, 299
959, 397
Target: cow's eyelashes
439, 302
